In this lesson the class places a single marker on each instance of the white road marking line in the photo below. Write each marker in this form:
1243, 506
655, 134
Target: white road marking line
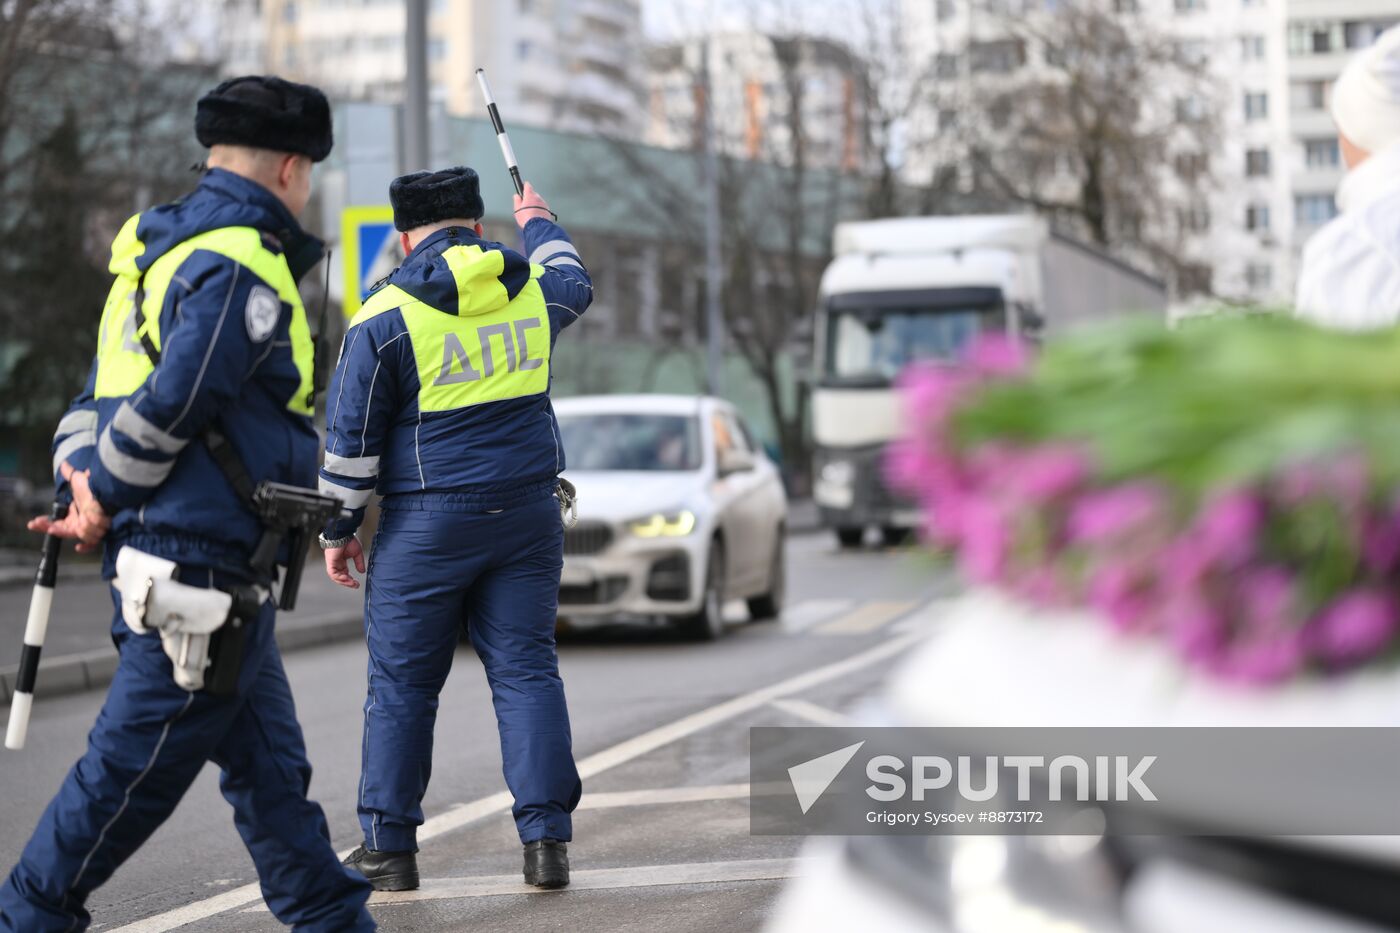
639, 798
640, 876
809, 612
595, 764
811, 712
865, 618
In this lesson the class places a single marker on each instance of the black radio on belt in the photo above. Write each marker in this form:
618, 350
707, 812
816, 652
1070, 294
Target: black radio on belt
291, 514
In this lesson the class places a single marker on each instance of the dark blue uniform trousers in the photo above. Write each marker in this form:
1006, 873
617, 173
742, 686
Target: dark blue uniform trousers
436, 568
150, 741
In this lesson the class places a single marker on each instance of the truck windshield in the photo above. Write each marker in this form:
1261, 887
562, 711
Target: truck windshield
864, 345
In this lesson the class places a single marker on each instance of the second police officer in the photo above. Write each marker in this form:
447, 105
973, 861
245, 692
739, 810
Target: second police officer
202, 386
440, 401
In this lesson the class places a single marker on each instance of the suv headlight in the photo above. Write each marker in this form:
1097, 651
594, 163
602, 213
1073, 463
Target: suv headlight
664, 525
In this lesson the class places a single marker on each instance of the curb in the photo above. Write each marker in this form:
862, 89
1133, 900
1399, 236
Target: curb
92, 670
17, 577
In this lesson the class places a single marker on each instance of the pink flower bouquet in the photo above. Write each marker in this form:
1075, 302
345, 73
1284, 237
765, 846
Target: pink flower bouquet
1232, 489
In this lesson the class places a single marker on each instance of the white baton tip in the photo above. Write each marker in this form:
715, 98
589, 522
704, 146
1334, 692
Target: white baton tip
18, 729
481, 71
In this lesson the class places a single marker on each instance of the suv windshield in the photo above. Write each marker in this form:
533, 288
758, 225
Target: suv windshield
631, 442
867, 344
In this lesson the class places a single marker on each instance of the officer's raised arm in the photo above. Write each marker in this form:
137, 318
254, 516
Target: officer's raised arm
567, 287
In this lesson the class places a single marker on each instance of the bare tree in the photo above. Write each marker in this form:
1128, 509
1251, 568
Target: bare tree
1081, 113
94, 124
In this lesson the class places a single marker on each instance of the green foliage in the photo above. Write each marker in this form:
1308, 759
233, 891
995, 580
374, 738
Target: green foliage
1214, 404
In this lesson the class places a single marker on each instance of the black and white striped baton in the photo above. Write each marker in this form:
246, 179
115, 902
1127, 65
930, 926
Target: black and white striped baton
501, 136
35, 628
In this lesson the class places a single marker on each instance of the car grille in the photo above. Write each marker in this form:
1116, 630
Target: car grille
596, 593
587, 538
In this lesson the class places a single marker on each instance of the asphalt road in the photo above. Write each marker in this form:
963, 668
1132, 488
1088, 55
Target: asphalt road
660, 731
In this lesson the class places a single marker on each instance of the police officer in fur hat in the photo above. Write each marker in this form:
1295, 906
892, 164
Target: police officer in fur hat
203, 331
440, 402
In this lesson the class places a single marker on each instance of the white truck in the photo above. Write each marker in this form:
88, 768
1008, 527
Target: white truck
919, 288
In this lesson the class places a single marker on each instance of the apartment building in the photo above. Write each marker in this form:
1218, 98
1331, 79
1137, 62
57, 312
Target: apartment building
1322, 35
1233, 218
571, 65
755, 80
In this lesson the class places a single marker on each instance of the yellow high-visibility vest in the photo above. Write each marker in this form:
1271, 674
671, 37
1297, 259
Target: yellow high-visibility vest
491, 350
122, 363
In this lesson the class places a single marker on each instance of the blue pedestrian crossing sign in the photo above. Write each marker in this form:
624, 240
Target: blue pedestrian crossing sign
370, 250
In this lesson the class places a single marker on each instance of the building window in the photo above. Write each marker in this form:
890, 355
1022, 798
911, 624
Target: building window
1126, 6
945, 65
1253, 48
1192, 51
1256, 163
1259, 276
1192, 165
1195, 219
1316, 38
946, 10
1001, 56
522, 49
1322, 153
1364, 34
1256, 218
1194, 280
1314, 210
437, 50
1308, 96
1190, 109
1190, 6
1256, 106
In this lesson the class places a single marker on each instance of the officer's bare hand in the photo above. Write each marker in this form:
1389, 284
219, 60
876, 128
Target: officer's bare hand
86, 522
338, 563
530, 205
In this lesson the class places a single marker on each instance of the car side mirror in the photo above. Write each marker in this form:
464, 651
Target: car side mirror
733, 460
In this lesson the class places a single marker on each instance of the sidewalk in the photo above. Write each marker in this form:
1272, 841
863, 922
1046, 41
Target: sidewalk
78, 653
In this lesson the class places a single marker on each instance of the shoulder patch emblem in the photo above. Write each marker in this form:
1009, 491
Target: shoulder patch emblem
262, 312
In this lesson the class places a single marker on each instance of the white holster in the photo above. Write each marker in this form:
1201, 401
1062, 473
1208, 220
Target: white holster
183, 615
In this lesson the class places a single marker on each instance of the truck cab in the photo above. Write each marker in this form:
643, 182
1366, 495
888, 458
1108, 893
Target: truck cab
921, 289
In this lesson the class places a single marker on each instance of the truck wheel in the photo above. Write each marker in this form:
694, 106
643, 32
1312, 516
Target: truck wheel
708, 623
850, 537
770, 604
894, 537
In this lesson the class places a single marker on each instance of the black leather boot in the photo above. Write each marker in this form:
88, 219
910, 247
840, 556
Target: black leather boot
385, 871
547, 863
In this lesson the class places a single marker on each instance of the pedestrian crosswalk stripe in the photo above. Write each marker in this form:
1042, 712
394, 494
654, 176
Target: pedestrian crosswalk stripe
865, 618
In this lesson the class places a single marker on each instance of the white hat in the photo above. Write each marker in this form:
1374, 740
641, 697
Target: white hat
1366, 98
